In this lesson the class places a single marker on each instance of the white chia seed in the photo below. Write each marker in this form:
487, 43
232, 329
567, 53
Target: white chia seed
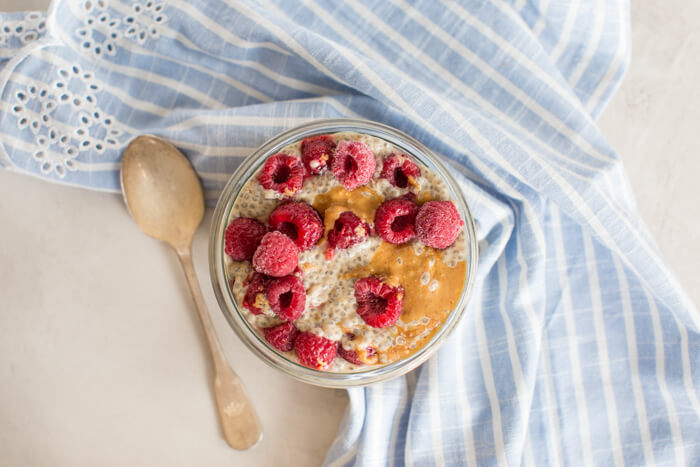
424, 278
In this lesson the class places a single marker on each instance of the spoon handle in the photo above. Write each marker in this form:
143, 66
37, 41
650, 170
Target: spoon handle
238, 418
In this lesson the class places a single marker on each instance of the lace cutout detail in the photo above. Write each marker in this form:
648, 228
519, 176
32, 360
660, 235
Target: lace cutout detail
101, 32
20, 32
144, 22
85, 127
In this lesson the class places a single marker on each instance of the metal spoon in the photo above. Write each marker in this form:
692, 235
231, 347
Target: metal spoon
164, 196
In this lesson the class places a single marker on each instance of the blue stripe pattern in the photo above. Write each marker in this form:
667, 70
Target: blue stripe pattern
578, 347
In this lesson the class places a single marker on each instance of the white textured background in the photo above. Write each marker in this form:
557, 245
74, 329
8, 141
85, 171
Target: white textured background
654, 123
102, 361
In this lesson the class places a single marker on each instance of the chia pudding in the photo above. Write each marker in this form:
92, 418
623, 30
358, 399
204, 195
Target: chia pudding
375, 290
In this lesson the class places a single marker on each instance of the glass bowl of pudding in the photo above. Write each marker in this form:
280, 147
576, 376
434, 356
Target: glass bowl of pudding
343, 252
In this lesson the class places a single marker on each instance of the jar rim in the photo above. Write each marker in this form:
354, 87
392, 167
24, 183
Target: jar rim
245, 331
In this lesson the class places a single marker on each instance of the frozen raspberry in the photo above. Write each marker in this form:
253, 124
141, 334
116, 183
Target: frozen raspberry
347, 231
298, 221
378, 304
242, 237
400, 170
282, 173
353, 164
438, 223
255, 293
276, 256
287, 297
317, 152
352, 356
315, 351
281, 337
394, 220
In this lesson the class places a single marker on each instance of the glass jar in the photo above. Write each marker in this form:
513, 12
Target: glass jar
233, 312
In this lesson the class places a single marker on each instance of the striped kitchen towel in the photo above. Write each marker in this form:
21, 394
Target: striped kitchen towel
578, 347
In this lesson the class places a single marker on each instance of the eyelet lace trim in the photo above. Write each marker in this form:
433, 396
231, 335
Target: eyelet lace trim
102, 32
82, 128
20, 32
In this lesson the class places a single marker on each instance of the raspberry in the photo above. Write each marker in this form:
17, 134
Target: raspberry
400, 170
394, 220
276, 256
315, 351
378, 304
352, 356
287, 297
438, 223
242, 237
316, 153
349, 355
281, 337
298, 221
353, 164
347, 231
282, 173
255, 293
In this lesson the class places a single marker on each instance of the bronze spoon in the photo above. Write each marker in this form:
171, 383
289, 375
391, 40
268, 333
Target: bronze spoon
164, 196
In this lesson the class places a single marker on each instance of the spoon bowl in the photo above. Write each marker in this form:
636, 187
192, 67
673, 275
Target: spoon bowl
164, 196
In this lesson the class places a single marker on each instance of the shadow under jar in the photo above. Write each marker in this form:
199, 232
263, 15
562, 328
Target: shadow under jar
435, 283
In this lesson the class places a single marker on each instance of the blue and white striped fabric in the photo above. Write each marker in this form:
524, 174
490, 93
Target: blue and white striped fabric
578, 346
